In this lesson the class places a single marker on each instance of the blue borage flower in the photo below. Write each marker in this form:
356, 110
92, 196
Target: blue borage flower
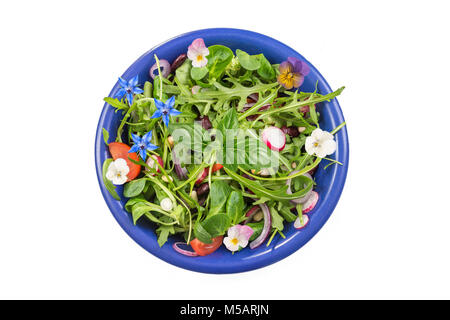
143, 144
128, 88
165, 110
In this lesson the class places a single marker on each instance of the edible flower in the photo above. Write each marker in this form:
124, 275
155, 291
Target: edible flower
117, 171
128, 88
292, 73
165, 110
238, 236
143, 144
320, 143
197, 52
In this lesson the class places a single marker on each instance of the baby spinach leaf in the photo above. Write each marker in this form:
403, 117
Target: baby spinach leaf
131, 202
218, 59
216, 225
257, 229
265, 70
247, 61
198, 73
235, 206
201, 234
183, 72
108, 184
134, 188
220, 190
138, 210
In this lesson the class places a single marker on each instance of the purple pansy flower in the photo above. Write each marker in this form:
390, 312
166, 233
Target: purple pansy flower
292, 73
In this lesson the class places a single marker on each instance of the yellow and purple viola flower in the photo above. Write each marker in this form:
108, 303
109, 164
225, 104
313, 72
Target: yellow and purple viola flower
141, 145
128, 88
197, 53
292, 73
165, 110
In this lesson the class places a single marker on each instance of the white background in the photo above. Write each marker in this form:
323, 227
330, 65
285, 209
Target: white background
389, 235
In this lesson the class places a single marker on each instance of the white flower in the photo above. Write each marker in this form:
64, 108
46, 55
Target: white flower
238, 236
117, 171
197, 52
320, 143
166, 204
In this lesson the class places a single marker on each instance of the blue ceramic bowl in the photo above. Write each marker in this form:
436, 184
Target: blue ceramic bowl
330, 182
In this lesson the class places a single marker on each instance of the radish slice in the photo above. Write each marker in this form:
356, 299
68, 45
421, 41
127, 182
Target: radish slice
274, 138
266, 229
151, 162
188, 253
311, 202
298, 225
289, 191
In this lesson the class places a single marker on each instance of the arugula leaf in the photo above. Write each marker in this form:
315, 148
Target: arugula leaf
218, 59
229, 121
220, 190
119, 105
247, 61
277, 220
108, 184
235, 206
163, 233
260, 191
287, 214
134, 188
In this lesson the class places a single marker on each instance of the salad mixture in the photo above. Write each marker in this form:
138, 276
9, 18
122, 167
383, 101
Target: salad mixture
218, 148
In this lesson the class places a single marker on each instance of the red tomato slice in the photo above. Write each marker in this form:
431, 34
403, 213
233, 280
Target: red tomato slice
205, 172
204, 249
120, 150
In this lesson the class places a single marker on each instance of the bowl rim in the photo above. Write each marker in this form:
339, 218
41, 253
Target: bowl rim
284, 249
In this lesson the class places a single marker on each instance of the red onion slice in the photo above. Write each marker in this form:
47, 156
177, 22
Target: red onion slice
179, 170
182, 251
289, 191
266, 229
164, 66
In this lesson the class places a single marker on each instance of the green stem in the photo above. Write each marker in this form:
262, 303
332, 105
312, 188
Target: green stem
339, 127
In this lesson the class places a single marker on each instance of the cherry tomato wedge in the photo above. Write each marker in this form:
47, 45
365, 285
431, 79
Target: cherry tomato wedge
204, 174
203, 249
120, 150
